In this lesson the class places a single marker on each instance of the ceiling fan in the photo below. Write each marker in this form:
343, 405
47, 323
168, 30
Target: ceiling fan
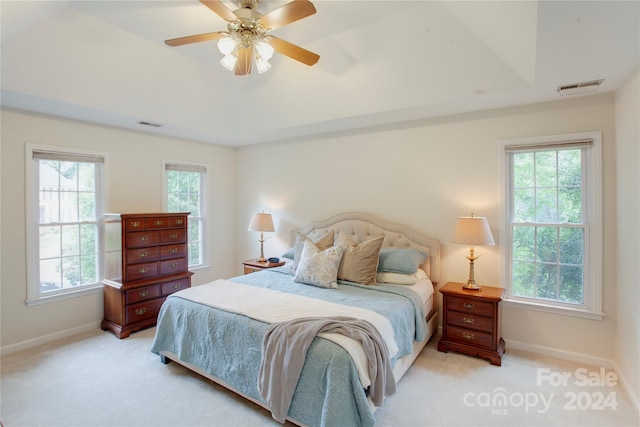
247, 37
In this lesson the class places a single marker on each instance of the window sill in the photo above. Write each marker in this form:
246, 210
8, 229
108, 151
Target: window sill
548, 308
63, 295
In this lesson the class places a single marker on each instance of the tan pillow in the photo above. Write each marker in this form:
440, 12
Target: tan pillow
360, 260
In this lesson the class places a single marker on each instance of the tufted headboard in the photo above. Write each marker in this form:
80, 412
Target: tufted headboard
361, 226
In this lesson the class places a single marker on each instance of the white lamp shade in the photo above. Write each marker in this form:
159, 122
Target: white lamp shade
473, 230
261, 222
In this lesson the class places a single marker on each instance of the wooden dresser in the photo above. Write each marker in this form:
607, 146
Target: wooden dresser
471, 322
146, 259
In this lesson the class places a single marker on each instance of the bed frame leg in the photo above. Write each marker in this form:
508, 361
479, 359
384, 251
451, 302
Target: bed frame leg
164, 359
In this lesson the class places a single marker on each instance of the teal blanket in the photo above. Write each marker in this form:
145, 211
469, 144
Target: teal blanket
228, 346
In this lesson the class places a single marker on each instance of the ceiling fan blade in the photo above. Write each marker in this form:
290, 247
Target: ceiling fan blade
293, 51
243, 64
220, 9
196, 39
287, 14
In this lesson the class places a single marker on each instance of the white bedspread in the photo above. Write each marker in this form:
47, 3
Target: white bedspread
270, 306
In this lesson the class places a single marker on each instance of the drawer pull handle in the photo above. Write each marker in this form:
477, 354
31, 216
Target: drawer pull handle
173, 236
158, 222
135, 224
176, 286
469, 320
469, 306
143, 254
142, 270
141, 311
179, 221
173, 264
144, 238
467, 336
174, 250
144, 293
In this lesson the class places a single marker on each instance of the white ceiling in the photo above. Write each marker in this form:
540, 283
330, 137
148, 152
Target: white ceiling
381, 62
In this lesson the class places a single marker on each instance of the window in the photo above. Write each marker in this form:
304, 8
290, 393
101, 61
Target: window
64, 202
553, 239
184, 192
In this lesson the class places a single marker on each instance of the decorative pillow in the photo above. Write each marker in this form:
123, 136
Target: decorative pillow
401, 279
317, 267
289, 254
403, 261
360, 260
322, 242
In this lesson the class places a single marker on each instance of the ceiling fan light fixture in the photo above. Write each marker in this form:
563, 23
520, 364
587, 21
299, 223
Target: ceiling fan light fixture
229, 62
262, 64
264, 49
226, 45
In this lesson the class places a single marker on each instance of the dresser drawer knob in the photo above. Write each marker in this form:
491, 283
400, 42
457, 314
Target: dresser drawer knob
144, 293
468, 336
142, 270
176, 286
179, 221
173, 264
469, 306
143, 238
143, 254
173, 236
158, 222
135, 224
141, 311
469, 320
174, 250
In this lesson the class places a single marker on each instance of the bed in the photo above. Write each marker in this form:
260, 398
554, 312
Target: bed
217, 329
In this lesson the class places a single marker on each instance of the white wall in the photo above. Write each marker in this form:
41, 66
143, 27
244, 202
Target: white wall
134, 182
426, 174
627, 346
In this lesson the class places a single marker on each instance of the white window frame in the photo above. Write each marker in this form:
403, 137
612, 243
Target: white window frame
32, 182
190, 167
593, 262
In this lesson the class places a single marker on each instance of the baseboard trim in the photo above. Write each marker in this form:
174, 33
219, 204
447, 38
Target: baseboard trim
635, 400
23, 345
561, 354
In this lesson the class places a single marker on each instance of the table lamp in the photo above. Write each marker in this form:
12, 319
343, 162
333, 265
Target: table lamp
261, 222
473, 230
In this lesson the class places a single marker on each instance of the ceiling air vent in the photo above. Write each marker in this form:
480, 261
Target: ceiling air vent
580, 88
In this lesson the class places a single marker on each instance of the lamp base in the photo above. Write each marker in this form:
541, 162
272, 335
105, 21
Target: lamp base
471, 286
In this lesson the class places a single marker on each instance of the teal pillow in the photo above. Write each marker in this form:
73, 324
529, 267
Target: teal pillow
403, 261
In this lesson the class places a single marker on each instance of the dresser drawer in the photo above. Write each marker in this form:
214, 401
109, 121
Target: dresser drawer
156, 223
141, 271
173, 266
144, 310
143, 294
178, 222
470, 337
173, 236
141, 239
133, 224
175, 285
466, 305
173, 251
470, 321
136, 256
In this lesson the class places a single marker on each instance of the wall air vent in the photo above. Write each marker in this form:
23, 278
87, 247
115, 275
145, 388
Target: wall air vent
155, 125
580, 88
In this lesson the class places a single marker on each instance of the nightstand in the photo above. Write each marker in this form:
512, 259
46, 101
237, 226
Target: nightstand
252, 265
471, 322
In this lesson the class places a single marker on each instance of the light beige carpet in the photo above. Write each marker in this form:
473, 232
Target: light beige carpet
94, 379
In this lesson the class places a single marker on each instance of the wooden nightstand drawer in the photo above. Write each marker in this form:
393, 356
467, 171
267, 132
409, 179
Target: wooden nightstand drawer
173, 266
467, 336
141, 271
142, 239
173, 236
135, 256
470, 321
173, 251
142, 294
155, 223
468, 305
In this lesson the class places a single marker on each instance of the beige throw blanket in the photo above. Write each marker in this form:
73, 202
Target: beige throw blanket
284, 350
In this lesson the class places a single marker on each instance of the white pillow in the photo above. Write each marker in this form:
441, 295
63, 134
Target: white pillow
399, 278
323, 242
319, 268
